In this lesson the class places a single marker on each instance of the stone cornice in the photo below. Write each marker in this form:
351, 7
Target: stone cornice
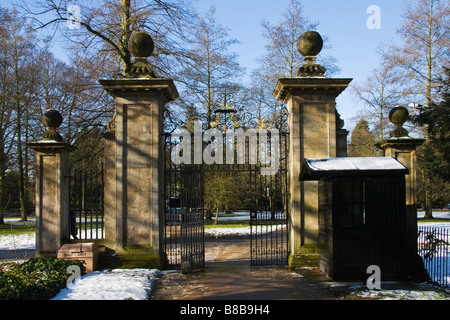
51, 146
310, 86
126, 87
404, 143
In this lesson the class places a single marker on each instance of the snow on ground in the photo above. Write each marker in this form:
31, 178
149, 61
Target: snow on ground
220, 232
402, 295
117, 284
18, 242
238, 231
442, 215
436, 214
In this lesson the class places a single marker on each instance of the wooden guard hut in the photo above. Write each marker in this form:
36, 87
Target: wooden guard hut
362, 217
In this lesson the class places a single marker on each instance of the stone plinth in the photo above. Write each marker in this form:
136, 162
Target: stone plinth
134, 170
52, 195
313, 134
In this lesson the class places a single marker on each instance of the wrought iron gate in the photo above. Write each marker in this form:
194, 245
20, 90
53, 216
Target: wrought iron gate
269, 228
184, 213
185, 208
269, 239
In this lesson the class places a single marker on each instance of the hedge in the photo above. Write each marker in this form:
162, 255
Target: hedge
35, 279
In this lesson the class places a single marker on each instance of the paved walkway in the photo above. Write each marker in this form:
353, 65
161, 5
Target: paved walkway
229, 276
17, 254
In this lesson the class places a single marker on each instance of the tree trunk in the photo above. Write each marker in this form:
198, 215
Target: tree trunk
2, 212
2, 176
428, 177
22, 195
126, 33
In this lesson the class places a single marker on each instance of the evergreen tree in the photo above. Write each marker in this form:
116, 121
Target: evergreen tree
435, 156
363, 141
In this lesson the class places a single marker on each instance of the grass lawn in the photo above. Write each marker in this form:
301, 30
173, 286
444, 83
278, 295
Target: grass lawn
210, 224
7, 228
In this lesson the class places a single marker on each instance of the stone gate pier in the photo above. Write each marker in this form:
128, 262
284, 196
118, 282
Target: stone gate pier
315, 132
402, 147
134, 161
52, 187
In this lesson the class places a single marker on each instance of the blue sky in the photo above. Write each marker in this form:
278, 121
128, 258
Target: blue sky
353, 44
344, 22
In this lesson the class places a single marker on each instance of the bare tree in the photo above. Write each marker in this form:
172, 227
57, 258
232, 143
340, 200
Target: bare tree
282, 59
425, 47
380, 92
107, 25
19, 69
212, 69
7, 129
422, 55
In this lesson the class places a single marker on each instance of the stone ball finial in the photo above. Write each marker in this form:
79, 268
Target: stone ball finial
398, 116
52, 119
310, 43
141, 44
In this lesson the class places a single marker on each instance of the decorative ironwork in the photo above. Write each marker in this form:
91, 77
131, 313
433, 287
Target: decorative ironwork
87, 204
269, 227
223, 112
185, 207
269, 238
184, 213
192, 239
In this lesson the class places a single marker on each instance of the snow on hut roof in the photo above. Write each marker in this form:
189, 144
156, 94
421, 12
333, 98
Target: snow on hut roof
314, 169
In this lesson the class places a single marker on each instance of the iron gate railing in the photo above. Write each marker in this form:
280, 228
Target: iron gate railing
269, 227
87, 204
186, 188
184, 244
269, 239
192, 239
434, 248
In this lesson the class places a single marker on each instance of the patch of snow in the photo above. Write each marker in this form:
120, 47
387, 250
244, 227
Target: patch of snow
244, 215
354, 163
18, 241
241, 231
436, 214
116, 284
402, 295
220, 232
296, 275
